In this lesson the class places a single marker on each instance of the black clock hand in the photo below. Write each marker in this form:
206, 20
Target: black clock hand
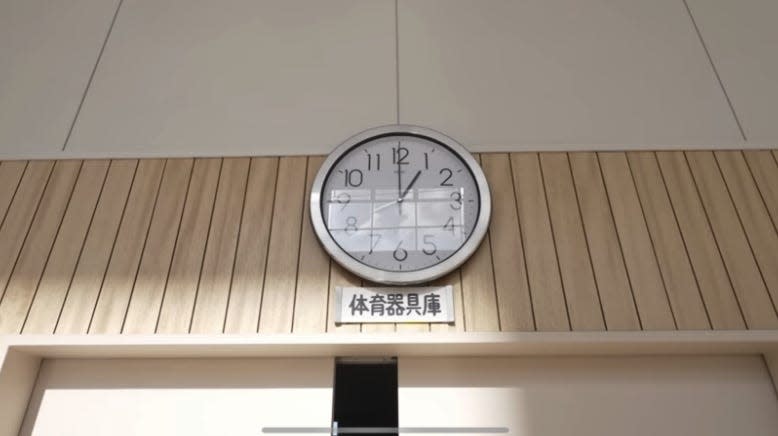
399, 180
402, 197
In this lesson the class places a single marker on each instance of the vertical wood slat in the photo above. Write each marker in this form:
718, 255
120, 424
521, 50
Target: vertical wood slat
144, 306
545, 282
618, 303
714, 283
11, 173
339, 277
19, 217
578, 283
46, 305
764, 169
179, 295
454, 278
510, 269
93, 263
479, 298
674, 264
251, 256
34, 254
114, 295
753, 216
276, 310
735, 249
216, 277
647, 282
313, 269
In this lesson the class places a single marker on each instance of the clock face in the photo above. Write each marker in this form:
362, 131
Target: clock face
400, 206
400, 203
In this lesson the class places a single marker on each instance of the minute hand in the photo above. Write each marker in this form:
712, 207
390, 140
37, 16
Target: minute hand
410, 185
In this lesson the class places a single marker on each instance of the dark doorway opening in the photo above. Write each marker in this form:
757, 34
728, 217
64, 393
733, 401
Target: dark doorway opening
365, 396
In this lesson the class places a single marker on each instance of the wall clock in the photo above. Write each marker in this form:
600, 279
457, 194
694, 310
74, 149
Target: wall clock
400, 204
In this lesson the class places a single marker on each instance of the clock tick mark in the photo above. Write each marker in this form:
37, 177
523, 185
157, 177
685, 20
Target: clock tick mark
437, 257
459, 170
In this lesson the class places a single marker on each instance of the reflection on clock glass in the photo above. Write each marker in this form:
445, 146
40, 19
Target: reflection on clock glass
400, 203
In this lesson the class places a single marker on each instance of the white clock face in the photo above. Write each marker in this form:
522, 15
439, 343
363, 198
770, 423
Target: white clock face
400, 203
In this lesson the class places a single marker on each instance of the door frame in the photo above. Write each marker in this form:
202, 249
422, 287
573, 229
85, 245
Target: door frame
21, 355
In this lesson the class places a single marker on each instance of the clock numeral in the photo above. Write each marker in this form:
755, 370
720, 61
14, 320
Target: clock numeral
351, 225
449, 226
370, 162
399, 154
428, 242
448, 173
354, 178
343, 199
456, 199
399, 253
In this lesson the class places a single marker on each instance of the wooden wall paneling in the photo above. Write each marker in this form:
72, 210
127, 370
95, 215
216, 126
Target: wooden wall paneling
143, 310
545, 282
34, 254
674, 264
11, 173
47, 303
184, 277
81, 298
276, 309
313, 269
340, 277
735, 249
583, 299
454, 278
216, 277
510, 269
114, 295
479, 296
714, 283
647, 282
764, 169
18, 218
253, 241
753, 216
618, 303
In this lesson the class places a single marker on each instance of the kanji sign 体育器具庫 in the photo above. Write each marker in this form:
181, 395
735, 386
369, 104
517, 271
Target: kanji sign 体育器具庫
421, 304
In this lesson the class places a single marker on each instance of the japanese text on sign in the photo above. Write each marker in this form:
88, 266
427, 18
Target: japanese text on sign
365, 305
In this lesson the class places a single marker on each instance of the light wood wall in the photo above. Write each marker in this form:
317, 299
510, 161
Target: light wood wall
578, 241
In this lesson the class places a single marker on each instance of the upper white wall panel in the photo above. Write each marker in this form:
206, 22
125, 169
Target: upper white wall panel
240, 77
510, 75
742, 37
47, 52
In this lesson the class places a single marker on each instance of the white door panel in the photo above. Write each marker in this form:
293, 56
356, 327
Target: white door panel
179, 396
591, 396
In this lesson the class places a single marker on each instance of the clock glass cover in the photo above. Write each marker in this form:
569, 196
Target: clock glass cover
400, 203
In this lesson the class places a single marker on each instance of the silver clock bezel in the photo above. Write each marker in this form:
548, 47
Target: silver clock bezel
401, 277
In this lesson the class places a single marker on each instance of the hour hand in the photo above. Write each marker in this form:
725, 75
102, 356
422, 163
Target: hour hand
410, 185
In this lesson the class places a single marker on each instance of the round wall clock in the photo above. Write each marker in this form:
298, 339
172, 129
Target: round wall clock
400, 204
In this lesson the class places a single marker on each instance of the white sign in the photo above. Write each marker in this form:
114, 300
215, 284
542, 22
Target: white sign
401, 305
